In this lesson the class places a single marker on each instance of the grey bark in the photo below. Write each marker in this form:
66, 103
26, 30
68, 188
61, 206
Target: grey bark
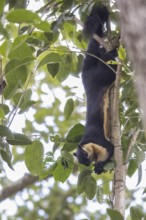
133, 29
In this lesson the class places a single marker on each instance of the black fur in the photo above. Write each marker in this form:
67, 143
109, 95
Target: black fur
97, 78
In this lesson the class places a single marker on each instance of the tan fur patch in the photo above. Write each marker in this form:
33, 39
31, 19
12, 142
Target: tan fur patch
95, 152
106, 118
105, 113
89, 149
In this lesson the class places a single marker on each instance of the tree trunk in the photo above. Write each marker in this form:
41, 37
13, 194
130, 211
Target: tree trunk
133, 30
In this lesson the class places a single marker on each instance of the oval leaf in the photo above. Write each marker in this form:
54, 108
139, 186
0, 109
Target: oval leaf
114, 214
90, 187
5, 132
81, 182
20, 52
75, 134
10, 91
132, 167
68, 109
19, 139
22, 15
136, 213
73, 137
34, 157
6, 154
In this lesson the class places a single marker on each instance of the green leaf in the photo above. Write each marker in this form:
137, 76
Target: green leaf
61, 173
20, 51
81, 183
75, 134
73, 137
136, 213
132, 167
122, 53
68, 109
12, 65
5, 132
50, 58
90, 186
114, 214
34, 157
6, 154
53, 68
15, 64
9, 91
69, 147
65, 67
22, 15
17, 77
43, 25
19, 139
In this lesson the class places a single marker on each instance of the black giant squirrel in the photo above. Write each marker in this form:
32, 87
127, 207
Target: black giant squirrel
97, 78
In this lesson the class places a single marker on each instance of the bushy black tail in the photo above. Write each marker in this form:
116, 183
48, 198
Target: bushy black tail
94, 23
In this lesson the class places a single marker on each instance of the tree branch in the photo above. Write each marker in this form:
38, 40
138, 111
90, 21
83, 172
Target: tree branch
19, 185
120, 170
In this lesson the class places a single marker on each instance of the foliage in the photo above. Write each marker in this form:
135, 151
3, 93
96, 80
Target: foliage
41, 51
